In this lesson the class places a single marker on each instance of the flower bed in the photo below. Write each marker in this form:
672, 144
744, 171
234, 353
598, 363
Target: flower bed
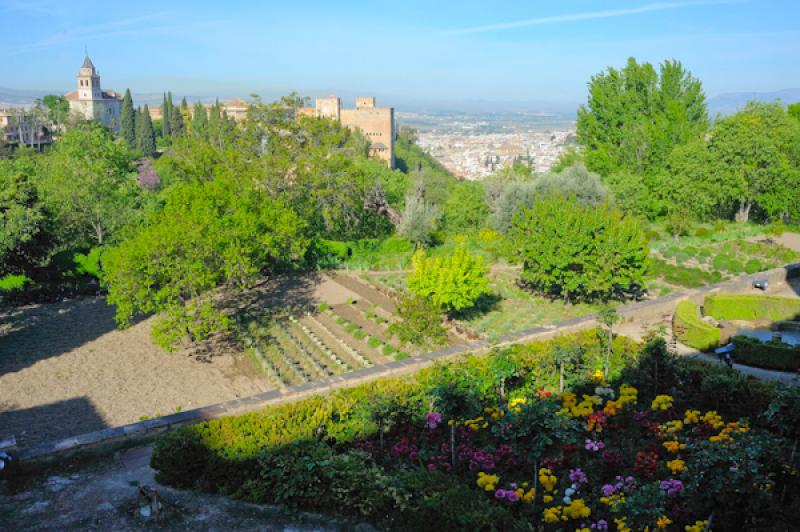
482, 445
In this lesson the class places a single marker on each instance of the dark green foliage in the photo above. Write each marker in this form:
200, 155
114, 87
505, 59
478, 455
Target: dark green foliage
768, 355
166, 109
465, 209
145, 137
199, 121
691, 330
753, 266
127, 120
577, 251
23, 217
176, 123
420, 322
751, 307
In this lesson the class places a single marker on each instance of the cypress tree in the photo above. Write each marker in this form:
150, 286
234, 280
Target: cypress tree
127, 120
145, 139
214, 121
165, 123
200, 121
176, 126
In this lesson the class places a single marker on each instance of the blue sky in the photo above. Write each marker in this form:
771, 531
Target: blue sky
433, 50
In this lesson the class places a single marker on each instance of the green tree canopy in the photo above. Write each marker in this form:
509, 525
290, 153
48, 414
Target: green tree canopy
145, 136
452, 283
88, 182
127, 120
217, 234
579, 251
57, 108
22, 217
636, 115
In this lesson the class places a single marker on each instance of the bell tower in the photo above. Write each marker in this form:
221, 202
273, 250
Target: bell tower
89, 81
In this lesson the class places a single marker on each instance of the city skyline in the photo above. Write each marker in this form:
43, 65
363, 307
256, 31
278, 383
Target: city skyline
509, 52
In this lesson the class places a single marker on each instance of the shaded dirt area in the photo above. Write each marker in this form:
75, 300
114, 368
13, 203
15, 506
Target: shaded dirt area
66, 370
103, 495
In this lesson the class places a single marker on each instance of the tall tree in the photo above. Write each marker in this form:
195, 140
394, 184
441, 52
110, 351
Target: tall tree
636, 115
127, 120
176, 125
57, 109
145, 138
199, 121
165, 121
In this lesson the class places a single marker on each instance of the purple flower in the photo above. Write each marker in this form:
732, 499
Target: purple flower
433, 419
512, 496
500, 494
602, 524
672, 486
608, 490
577, 476
594, 445
147, 178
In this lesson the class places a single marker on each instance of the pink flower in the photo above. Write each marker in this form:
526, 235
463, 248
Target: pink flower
594, 445
433, 419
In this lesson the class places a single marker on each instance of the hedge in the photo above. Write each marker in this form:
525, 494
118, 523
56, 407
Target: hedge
691, 330
751, 307
768, 355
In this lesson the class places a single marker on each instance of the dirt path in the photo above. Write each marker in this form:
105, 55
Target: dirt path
66, 370
104, 496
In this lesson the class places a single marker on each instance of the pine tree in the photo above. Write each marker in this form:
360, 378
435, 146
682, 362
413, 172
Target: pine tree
200, 122
127, 120
145, 139
165, 122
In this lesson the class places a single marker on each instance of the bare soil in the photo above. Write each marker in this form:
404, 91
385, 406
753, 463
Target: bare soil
66, 370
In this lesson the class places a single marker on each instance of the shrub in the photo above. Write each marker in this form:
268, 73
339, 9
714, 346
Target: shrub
374, 342
421, 322
681, 257
734, 266
753, 266
769, 355
651, 235
389, 350
359, 334
721, 262
751, 307
702, 232
89, 264
351, 328
323, 307
401, 355
341, 321
452, 283
691, 330
13, 282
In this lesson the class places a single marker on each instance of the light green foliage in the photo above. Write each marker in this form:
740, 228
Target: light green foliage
89, 263
452, 283
465, 209
751, 307
420, 220
217, 234
420, 322
11, 282
573, 180
636, 115
568, 158
199, 121
691, 330
794, 110
57, 108
89, 184
578, 251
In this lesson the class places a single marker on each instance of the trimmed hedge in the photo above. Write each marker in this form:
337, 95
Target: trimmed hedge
768, 355
751, 307
691, 330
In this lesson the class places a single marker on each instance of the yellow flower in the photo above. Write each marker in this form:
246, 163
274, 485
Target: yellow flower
487, 482
551, 515
713, 419
662, 402
699, 526
612, 407
674, 446
598, 376
676, 466
691, 416
577, 509
621, 526
547, 499
530, 495
663, 522
627, 394
547, 479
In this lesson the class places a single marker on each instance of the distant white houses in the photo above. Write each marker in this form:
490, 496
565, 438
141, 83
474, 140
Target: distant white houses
90, 101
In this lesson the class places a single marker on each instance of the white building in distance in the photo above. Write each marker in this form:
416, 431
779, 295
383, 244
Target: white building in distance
92, 102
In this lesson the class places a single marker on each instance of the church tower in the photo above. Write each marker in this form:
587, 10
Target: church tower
89, 81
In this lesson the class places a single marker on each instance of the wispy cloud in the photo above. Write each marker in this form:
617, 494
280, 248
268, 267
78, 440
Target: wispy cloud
589, 15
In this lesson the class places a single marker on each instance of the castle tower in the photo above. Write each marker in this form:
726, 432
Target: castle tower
89, 81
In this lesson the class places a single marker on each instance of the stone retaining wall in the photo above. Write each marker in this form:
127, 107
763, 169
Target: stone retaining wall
102, 440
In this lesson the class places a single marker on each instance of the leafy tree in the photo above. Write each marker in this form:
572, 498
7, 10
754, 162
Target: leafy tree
579, 251
145, 137
574, 180
420, 322
22, 217
127, 120
452, 283
757, 156
570, 157
513, 198
57, 108
88, 183
794, 110
199, 121
465, 208
218, 234
636, 115
420, 221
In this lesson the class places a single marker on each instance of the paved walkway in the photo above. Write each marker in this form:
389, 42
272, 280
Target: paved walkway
791, 379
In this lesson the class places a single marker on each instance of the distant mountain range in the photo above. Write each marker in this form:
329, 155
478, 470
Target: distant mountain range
729, 103
723, 104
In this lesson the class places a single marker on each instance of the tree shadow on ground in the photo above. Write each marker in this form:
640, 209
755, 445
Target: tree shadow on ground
483, 305
31, 334
54, 421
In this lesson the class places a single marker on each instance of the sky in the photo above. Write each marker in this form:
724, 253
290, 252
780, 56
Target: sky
433, 50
